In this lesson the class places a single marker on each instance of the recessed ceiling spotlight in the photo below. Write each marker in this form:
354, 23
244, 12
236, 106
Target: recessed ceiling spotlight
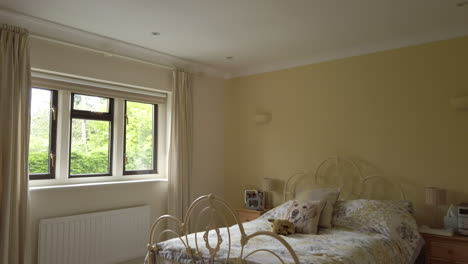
229, 57
155, 33
462, 3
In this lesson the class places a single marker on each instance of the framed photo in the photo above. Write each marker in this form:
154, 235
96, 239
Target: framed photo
254, 200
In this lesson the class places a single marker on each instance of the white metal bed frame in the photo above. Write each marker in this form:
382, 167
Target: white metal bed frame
213, 202
195, 254
289, 191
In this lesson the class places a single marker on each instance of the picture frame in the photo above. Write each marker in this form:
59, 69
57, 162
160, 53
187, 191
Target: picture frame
254, 200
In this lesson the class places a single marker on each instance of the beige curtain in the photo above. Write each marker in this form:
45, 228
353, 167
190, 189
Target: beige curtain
180, 151
15, 93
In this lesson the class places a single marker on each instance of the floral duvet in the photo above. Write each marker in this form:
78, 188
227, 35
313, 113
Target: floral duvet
366, 231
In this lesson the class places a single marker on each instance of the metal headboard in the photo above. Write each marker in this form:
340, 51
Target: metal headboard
289, 191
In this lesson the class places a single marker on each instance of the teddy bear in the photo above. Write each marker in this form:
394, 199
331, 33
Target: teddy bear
282, 227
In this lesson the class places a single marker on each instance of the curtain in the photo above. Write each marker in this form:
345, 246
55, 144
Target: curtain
15, 93
181, 141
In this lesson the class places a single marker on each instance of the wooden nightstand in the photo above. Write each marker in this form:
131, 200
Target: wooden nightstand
444, 250
246, 215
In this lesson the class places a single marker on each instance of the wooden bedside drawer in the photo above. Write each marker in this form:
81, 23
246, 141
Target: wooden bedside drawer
246, 215
448, 251
444, 250
434, 261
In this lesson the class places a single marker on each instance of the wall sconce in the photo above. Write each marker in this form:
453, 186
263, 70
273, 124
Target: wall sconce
263, 118
460, 103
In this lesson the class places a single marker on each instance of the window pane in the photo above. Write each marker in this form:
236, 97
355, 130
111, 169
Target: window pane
89, 147
139, 137
91, 103
39, 139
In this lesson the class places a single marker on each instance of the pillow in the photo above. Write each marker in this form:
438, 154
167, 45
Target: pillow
388, 218
279, 212
305, 215
407, 204
329, 195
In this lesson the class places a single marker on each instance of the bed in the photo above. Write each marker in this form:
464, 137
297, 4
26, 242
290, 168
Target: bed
364, 231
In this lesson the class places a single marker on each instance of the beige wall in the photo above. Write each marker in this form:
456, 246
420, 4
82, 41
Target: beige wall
208, 137
389, 109
208, 161
208, 149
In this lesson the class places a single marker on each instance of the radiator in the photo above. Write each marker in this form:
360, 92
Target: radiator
95, 238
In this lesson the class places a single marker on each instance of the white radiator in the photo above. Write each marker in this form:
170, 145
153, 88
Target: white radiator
96, 238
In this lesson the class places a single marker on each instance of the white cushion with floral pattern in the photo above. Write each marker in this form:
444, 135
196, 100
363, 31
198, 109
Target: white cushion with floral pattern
305, 215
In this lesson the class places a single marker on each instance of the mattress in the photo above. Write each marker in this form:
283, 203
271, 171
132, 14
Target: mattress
336, 245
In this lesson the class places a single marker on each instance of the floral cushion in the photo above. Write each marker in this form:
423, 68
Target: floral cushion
279, 212
305, 215
329, 195
389, 218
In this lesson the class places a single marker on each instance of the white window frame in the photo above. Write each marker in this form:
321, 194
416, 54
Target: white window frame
63, 147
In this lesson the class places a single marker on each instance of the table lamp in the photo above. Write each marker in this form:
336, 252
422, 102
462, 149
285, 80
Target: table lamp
268, 187
435, 197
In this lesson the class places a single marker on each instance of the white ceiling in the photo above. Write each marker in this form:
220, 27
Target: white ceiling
262, 35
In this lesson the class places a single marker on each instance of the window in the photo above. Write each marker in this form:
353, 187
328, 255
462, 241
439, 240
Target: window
87, 132
91, 122
140, 156
43, 134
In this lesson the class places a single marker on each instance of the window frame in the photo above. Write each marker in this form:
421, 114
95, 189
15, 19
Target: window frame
52, 138
155, 142
90, 115
119, 92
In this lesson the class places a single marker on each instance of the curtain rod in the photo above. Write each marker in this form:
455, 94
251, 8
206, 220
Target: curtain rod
105, 53
71, 78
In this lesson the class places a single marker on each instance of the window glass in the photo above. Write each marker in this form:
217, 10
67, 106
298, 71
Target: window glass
90, 103
90, 147
40, 133
140, 137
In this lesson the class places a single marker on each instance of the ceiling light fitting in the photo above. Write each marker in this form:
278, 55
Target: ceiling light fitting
462, 3
229, 57
155, 33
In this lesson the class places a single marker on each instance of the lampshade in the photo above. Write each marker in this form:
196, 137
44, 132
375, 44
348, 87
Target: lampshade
268, 184
435, 196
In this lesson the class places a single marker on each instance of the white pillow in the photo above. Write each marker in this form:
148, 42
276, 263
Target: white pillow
329, 195
305, 215
388, 218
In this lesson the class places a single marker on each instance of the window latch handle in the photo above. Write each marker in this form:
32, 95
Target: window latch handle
126, 159
52, 159
126, 119
54, 112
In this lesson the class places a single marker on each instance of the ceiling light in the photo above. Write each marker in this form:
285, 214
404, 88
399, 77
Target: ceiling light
229, 57
462, 3
155, 33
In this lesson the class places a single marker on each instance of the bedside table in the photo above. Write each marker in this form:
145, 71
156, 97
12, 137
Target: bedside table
443, 249
246, 215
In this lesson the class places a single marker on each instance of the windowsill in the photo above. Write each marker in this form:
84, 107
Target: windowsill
73, 185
